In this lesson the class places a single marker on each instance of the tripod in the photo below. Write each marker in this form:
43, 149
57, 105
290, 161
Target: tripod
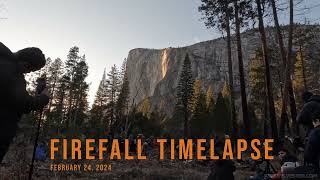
35, 145
41, 85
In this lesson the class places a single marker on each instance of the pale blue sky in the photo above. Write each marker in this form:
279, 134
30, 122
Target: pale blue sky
104, 30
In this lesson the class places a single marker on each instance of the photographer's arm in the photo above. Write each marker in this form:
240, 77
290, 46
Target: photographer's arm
26, 103
33, 103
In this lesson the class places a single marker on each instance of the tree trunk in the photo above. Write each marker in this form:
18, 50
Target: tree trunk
266, 118
230, 71
287, 83
185, 128
70, 109
245, 114
305, 86
293, 108
284, 115
268, 83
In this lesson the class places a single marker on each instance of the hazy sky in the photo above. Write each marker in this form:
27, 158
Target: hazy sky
104, 30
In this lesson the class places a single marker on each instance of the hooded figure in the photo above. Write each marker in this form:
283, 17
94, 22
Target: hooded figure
310, 117
14, 98
310, 110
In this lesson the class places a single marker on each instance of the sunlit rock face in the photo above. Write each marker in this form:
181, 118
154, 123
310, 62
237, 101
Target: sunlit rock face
154, 73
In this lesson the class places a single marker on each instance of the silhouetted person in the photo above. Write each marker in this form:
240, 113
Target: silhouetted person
310, 117
14, 98
222, 169
312, 151
311, 109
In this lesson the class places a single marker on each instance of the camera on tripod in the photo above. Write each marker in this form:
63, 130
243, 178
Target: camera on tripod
41, 84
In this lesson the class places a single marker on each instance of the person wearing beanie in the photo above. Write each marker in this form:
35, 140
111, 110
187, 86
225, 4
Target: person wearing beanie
14, 98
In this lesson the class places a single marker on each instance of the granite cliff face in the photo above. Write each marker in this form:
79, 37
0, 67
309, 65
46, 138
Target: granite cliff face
154, 73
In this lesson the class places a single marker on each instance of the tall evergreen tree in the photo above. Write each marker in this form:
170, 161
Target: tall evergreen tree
198, 124
257, 82
184, 94
101, 95
198, 100
210, 99
113, 91
80, 108
54, 74
222, 118
304, 39
70, 66
97, 112
299, 81
145, 107
122, 105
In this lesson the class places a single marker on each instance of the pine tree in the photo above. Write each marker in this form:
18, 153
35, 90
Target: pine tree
70, 66
97, 112
75, 91
113, 91
55, 71
306, 67
123, 70
210, 100
222, 119
80, 93
123, 97
184, 94
225, 90
299, 83
257, 82
304, 39
58, 113
101, 95
145, 107
198, 100
197, 91
122, 105
198, 111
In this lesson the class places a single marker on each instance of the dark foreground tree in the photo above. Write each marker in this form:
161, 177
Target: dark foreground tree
268, 82
288, 90
218, 13
245, 113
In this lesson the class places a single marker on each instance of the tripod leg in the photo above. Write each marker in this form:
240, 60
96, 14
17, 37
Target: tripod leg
35, 147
